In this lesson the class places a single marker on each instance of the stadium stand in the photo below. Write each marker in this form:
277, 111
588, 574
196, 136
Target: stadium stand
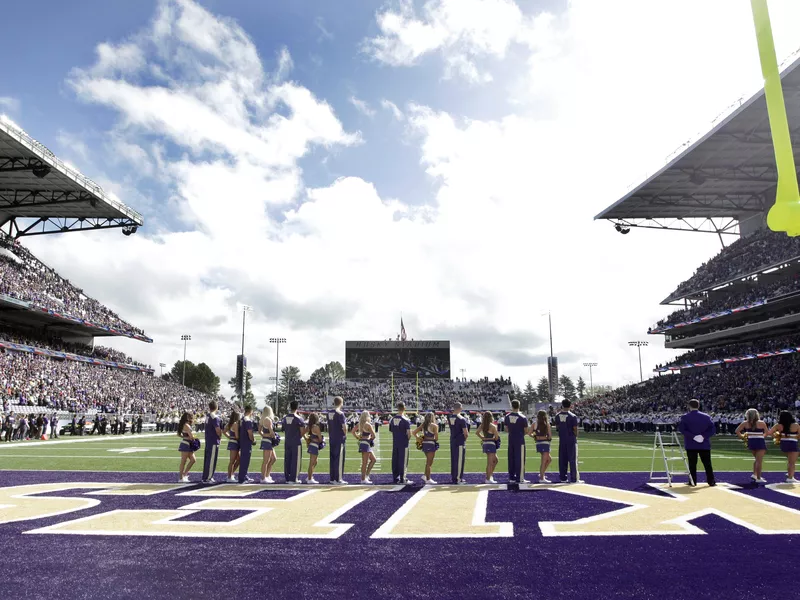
740, 318
24, 277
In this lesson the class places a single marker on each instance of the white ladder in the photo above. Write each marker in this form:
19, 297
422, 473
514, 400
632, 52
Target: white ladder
669, 451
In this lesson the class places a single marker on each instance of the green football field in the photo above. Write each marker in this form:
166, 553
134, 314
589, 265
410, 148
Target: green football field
598, 452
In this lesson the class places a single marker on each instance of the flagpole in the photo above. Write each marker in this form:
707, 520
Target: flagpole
392, 391
418, 405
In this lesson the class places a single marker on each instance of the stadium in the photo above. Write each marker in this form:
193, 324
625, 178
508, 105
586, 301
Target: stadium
90, 436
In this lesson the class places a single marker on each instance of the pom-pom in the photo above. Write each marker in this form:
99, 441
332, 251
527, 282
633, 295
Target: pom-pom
276, 440
194, 445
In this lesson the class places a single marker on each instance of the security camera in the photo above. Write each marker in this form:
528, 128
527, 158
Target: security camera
623, 229
41, 171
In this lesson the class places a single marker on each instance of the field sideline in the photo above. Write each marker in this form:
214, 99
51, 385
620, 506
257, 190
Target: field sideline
598, 452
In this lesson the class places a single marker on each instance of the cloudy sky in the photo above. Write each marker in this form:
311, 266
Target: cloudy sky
337, 163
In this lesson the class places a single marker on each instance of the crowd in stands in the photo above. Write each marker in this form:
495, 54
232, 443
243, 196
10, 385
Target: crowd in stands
746, 255
11, 334
24, 277
733, 350
30, 380
721, 301
768, 385
434, 394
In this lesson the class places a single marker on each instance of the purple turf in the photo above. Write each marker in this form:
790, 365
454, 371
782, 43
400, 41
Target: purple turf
637, 567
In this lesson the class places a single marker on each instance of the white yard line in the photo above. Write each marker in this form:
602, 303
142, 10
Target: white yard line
82, 438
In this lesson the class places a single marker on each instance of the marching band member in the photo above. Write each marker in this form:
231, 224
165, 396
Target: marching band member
459, 432
267, 431
755, 429
294, 426
364, 432
232, 433
543, 435
516, 424
430, 444
337, 434
185, 447
213, 431
246, 442
489, 440
315, 443
789, 431
400, 427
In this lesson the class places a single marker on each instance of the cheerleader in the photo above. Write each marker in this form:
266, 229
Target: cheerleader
231, 431
542, 433
314, 443
755, 429
430, 443
267, 431
185, 448
789, 431
365, 434
487, 432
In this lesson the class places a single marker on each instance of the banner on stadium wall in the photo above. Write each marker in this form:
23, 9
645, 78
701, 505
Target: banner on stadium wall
69, 356
708, 317
730, 359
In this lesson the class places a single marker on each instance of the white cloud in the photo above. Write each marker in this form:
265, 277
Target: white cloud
461, 30
72, 146
362, 106
10, 104
392, 107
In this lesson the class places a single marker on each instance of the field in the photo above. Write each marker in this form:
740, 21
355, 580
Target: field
598, 452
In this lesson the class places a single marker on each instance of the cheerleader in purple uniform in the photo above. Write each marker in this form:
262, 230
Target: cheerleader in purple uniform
231, 431
365, 434
185, 447
430, 443
789, 430
542, 433
314, 443
267, 430
487, 432
755, 429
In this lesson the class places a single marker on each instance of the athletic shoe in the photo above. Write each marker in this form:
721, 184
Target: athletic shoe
430, 482
753, 476
268, 480
211, 480
761, 480
406, 481
462, 480
230, 480
312, 481
791, 480
578, 481
205, 481
491, 480
183, 480
524, 481
366, 482
544, 480
246, 482
341, 482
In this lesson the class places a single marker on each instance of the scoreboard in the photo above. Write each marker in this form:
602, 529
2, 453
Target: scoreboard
405, 360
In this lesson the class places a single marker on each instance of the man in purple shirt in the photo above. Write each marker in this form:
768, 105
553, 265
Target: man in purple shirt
213, 437
516, 424
337, 436
400, 427
697, 429
294, 427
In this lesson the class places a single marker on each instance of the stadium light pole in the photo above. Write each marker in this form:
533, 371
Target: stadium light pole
275, 379
184, 338
162, 365
591, 381
277, 342
639, 348
245, 309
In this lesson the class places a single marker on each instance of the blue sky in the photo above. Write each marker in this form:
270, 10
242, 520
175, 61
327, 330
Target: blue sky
259, 142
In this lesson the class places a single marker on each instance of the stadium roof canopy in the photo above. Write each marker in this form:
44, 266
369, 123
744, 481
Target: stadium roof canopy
725, 177
40, 194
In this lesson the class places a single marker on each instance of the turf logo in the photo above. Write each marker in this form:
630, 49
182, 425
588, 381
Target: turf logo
651, 514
